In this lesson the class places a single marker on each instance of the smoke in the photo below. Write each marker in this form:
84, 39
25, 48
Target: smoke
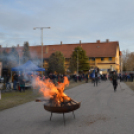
34, 85
9, 59
35, 57
13, 57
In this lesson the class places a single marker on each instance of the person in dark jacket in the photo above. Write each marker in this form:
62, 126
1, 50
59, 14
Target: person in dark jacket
120, 76
96, 79
22, 82
87, 78
8, 85
114, 80
15, 77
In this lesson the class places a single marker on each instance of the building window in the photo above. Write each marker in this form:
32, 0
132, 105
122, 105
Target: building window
93, 59
89, 59
110, 58
102, 59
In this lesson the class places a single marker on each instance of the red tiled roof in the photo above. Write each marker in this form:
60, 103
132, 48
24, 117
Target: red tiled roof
102, 49
107, 49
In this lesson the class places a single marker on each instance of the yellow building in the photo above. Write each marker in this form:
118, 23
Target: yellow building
104, 55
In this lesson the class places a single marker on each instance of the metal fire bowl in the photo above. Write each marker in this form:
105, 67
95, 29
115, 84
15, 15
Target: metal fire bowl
63, 109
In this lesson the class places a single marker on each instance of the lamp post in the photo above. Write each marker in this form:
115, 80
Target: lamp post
19, 56
41, 28
19, 52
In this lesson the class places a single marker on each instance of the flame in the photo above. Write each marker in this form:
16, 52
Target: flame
51, 91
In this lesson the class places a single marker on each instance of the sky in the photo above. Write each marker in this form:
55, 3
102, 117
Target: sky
70, 22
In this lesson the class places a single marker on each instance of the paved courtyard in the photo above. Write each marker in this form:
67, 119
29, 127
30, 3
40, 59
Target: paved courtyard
102, 111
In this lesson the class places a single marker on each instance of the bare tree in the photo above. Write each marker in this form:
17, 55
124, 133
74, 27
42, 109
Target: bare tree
128, 60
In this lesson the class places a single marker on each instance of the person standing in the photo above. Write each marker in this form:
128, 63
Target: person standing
87, 78
114, 80
120, 76
96, 79
8, 85
22, 82
15, 80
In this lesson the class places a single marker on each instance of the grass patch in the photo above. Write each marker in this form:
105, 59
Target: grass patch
15, 98
130, 85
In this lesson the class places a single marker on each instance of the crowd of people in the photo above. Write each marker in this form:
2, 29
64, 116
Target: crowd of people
94, 76
126, 77
18, 81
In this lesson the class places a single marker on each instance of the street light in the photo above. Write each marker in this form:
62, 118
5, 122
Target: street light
19, 51
41, 28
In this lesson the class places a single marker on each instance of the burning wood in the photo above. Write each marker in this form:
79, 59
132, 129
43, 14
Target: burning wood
53, 92
56, 101
54, 96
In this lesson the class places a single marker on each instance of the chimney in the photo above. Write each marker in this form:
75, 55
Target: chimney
0, 46
80, 41
61, 42
98, 41
107, 40
18, 45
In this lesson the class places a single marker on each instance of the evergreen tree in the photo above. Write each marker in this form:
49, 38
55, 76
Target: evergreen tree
4, 58
56, 62
13, 57
79, 57
26, 52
